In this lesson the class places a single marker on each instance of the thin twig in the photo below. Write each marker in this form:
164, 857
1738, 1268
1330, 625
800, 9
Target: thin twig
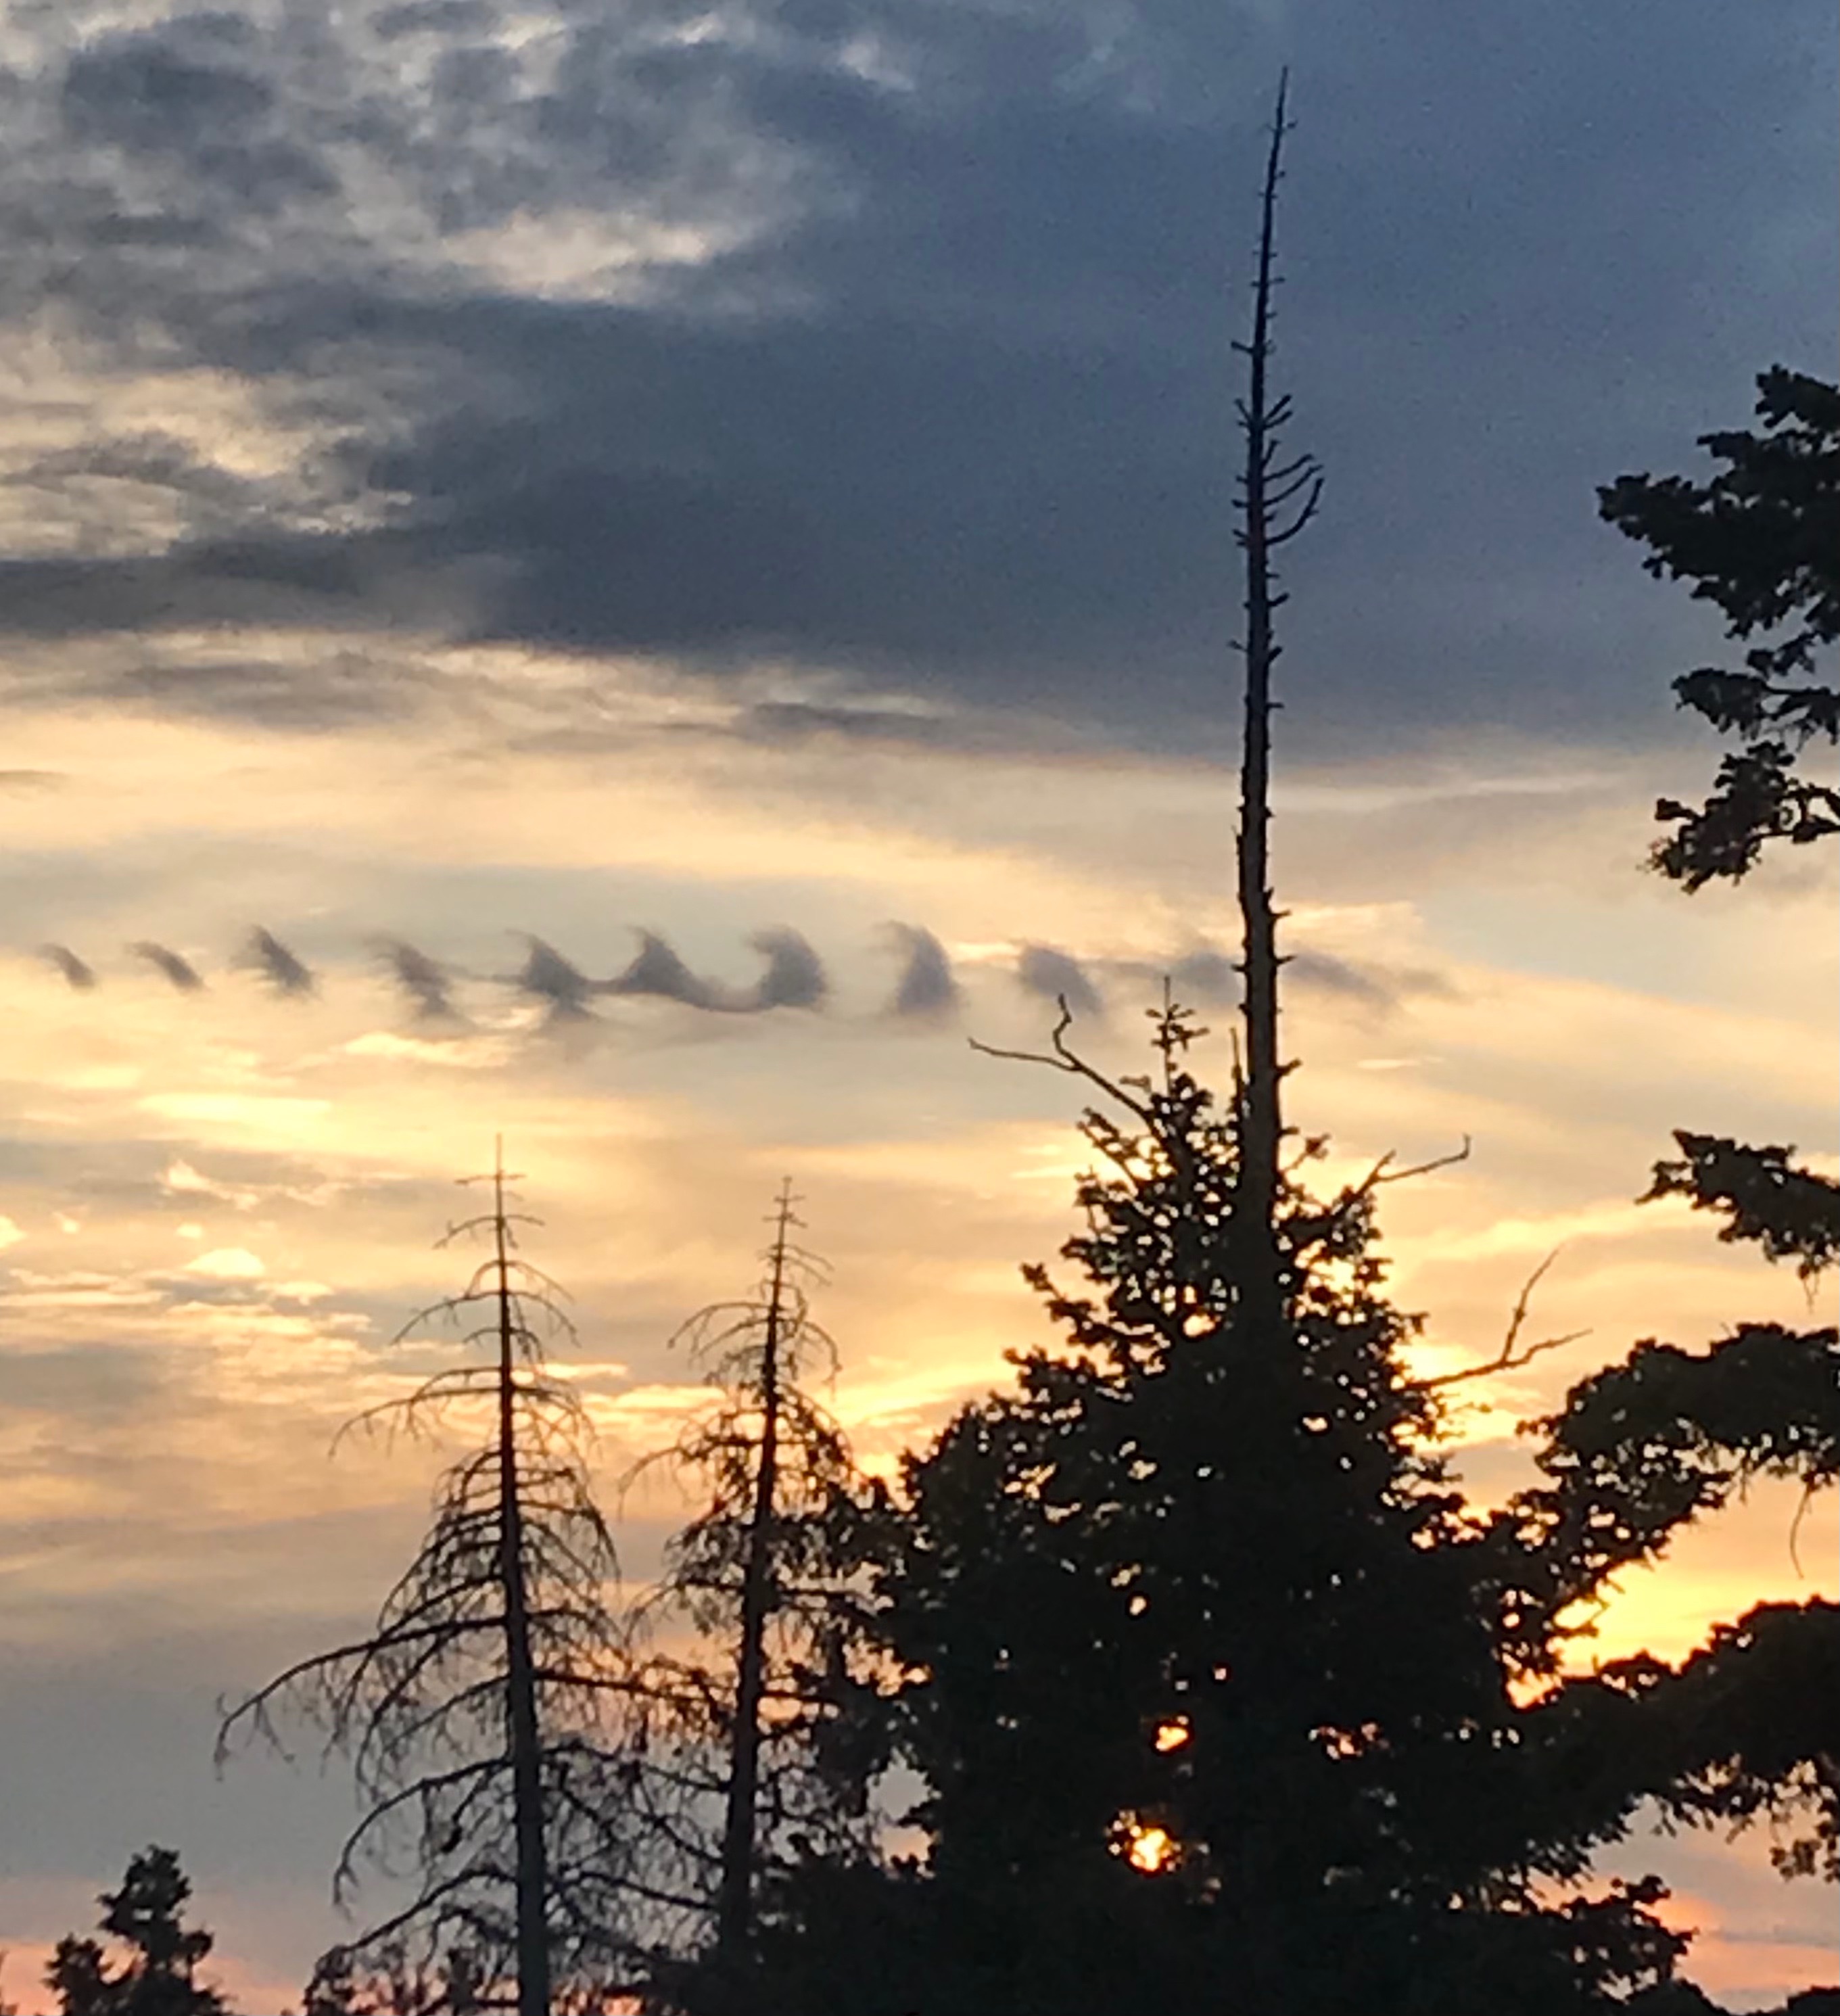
1513, 1354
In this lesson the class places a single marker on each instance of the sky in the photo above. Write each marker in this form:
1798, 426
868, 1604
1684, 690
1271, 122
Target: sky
628, 576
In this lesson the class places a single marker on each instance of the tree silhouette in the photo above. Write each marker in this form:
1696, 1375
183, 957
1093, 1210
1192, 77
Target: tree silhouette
472, 1714
1205, 1667
743, 1734
1761, 541
1277, 499
1211, 1680
159, 1976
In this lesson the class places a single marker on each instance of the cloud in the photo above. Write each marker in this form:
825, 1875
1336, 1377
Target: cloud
424, 981
657, 970
1380, 988
1054, 975
176, 968
79, 972
794, 977
227, 1263
926, 990
739, 350
286, 974
545, 976
1207, 977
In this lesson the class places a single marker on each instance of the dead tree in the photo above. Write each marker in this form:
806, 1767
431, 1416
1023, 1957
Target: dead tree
738, 1741
1277, 498
472, 1713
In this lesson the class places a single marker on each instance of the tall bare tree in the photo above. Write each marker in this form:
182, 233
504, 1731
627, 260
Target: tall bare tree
741, 1739
1277, 498
472, 1712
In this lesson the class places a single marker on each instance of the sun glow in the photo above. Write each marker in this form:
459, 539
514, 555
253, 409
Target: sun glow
1149, 1848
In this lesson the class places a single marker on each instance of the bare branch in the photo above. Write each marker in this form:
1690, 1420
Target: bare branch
1513, 1354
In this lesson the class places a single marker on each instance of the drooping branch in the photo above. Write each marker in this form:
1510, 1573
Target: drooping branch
472, 1715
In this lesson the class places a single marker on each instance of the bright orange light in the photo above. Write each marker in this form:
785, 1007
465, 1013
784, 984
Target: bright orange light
1172, 1735
1149, 1849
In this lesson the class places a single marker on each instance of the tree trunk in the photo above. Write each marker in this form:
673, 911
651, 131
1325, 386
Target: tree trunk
1266, 490
520, 1686
734, 1905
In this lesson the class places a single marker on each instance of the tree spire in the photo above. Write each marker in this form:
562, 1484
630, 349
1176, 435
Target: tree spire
734, 1902
1277, 499
523, 1729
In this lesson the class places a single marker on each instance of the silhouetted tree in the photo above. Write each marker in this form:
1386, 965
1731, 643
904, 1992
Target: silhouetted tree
159, 1976
1204, 1666
1277, 498
1761, 541
390, 1982
743, 1733
1213, 1684
472, 1713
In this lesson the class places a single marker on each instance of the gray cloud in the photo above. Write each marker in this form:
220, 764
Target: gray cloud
425, 983
286, 974
1381, 989
179, 969
563, 988
79, 972
657, 970
950, 408
927, 990
1052, 975
1207, 977
794, 977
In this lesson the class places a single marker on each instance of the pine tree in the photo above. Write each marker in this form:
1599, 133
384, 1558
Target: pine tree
1205, 1669
1749, 1726
742, 1734
159, 1976
1760, 541
473, 1713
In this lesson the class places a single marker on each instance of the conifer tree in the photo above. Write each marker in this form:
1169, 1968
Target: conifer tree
1277, 499
473, 1713
1201, 1662
1749, 1726
741, 1731
1760, 541
159, 1976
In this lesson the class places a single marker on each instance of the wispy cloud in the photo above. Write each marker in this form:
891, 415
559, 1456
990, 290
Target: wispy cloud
286, 974
78, 973
926, 991
1054, 975
426, 983
177, 968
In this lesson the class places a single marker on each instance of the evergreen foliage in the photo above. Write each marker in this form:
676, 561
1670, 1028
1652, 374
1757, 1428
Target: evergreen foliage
158, 1976
1760, 540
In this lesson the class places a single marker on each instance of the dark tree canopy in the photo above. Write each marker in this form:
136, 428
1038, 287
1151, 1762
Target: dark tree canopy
158, 1975
1761, 541
1791, 1213
1206, 1672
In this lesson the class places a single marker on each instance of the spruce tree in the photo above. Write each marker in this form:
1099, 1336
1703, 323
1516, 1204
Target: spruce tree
1760, 540
473, 1713
1206, 1671
158, 1975
740, 1730
1748, 1727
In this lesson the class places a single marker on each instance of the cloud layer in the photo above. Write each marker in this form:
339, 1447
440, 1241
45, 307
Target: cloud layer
890, 340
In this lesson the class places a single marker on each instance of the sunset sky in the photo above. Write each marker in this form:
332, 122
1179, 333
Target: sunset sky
486, 481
